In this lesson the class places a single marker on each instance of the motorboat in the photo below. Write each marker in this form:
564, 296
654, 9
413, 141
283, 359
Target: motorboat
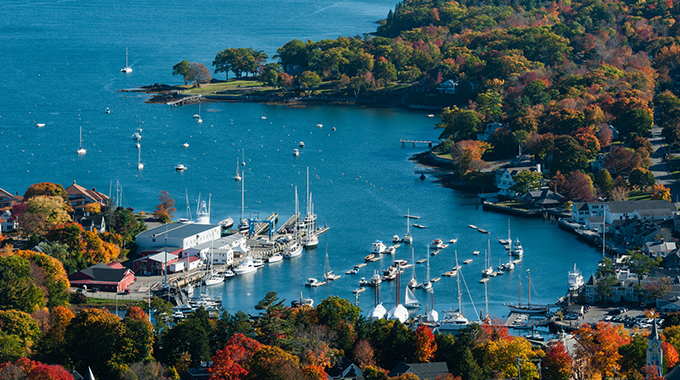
294, 250
185, 145
296, 152
302, 144
437, 244
180, 168
275, 258
453, 241
390, 250
352, 271
136, 136
396, 239
319, 125
313, 282
108, 110
517, 249
575, 281
302, 302
258, 263
246, 266
127, 69
378, 247
40, 125
228, 274
226, 223
369, 257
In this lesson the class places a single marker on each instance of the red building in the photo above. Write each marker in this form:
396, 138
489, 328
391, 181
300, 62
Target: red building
111, 278
155, 264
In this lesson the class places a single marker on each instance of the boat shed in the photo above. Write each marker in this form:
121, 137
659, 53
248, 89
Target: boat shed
154, 264
178, 235
112, 277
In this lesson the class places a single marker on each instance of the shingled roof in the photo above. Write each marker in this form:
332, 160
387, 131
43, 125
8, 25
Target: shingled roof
101, 273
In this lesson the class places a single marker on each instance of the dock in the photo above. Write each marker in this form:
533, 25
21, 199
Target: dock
484, 280
361, 265
185, 100
435, 279
414, 142
475, 253
358, 290
411, 216
468, 261
421, 261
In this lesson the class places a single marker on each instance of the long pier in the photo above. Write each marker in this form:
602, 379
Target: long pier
414, 142
185, 100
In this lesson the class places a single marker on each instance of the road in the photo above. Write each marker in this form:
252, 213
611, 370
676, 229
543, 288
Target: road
659, 167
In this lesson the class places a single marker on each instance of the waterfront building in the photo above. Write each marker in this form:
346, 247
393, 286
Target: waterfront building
9, 221
659, 248
504, 178
79, 197
644, 210
156, 264
9, 200
111, 277
581, 211
448, 87
178, 236
545, 198
222, 249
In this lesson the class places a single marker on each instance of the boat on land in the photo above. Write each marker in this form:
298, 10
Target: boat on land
127, 69
527, 308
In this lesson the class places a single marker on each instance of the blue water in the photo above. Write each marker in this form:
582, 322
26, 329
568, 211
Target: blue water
62, 68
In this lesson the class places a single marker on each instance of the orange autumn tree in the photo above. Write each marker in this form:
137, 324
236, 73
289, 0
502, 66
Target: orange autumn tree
425, 346
599, 347
670, 355
232, 362
558, 362
49, 276
467, 155
661, 192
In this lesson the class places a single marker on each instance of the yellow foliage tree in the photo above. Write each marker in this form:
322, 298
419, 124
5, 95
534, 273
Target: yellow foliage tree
54, 276
503, 354
93, 208
42, 213
660, 191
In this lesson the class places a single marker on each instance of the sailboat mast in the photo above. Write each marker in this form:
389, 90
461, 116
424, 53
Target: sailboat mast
520, 290
413, 261
243, 205
529, 287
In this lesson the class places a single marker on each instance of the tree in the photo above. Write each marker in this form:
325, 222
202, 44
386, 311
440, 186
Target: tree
384, 71
467, 155
568, 155
425, 345
49, 275
599, 347
633, 356
619, 161
42, 213
641, 178
525, 181
52, 347
334, 309
24, 368
182, 68
557, 362
198, 73
579, 186
604, 181
166, 208
490, 105
232, 362
363, 354
459, 124
47, 189
273, 363
92, 208
309, 80
19, 291
503, 355
660, 192
18, 326
138, 335
634, 122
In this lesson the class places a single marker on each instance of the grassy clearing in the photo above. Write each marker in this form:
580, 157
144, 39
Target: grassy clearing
518, 205
639, 195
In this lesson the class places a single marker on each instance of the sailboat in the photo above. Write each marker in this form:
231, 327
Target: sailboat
309, 220
198, 119
81, 150
432, 315
528, 308
378, 311
408, 239
413, 283
410, 300
398, 312
127, 69
455, 320
488, 270
238, 175
506, 242
295, 249
243, 226
140, 165
427, 285
203, 212
328, 272
263, 117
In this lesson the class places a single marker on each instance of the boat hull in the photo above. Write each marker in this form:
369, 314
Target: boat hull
526, 309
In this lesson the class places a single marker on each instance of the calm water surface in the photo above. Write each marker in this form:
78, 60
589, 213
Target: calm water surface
63, 62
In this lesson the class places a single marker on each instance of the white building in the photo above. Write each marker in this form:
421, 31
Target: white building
222, 249
448, 87
581, 211
504, 178
178, 236
9, 222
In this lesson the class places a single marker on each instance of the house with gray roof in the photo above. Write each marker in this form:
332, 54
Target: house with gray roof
643, 210
580, 211
344, 369
424, 371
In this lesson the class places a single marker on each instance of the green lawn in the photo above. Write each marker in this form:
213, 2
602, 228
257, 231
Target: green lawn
639, 195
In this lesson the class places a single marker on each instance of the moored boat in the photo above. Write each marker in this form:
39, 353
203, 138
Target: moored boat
378, 247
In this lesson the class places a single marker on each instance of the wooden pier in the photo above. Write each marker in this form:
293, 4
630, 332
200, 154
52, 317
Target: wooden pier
414, 142
185, 100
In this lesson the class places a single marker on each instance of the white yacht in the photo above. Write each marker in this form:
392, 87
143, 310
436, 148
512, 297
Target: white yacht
312, 241
214, 279
136, 136
437, 244
378, 247
575, 281
294, 250
275, 258
246, 266
185, 145
203, 212
517, 249
396, 239
296, 152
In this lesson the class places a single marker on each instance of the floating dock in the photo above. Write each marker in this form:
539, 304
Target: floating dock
468, 261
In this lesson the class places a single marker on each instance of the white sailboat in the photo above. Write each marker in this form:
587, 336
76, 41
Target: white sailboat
81, 150
140, 165
243, 226
312, 240
198, 119
413, 283
432, 315
294, 250
238, 175
328, 272
427, 285
410, 300
203, 212
127, 69
455, 321
263, 116
488, 269
408, 239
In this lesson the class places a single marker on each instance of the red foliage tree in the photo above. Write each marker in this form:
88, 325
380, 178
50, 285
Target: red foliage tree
425, 346
670, 354
558, 362
231, 362
49, 372
24, 368
579, 186
496, 330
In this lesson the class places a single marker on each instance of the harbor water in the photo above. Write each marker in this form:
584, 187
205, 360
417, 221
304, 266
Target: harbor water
63, 62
